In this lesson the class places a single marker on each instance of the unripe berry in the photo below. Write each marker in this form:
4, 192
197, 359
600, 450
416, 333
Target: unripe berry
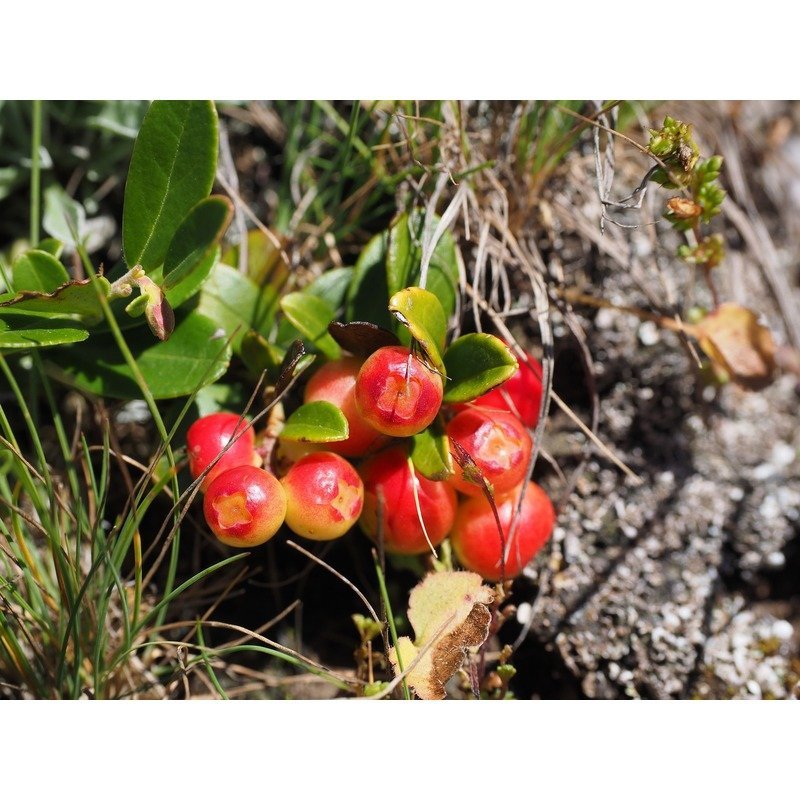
396, 394
335, 382
476, 540
498, 444
207, 437
245, 506
388, 474
324, 496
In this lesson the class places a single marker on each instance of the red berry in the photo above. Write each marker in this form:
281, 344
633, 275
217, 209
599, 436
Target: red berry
476, 540
207, 437
388, 473
520, 394
498, 444
396, 394
245, 506
324, 496
335, 382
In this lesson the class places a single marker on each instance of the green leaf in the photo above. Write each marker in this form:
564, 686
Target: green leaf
476, 363
368, 291
64, 218
52, 246
443, 272
193, 282
430, 453
402, 253
404, 259
319, 421
38, 271
264, 262
21, 331
331, 286
193, 356
172, 168
216, 397
258, 355
236, 304
196, 237
75, 299
421, 312
311, 316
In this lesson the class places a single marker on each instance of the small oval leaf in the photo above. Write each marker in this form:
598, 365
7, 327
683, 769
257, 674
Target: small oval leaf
236, 304
172, 168
476, 363
23, 331
319, 421
38, 271
75, 299
192, 357
196, 237
421, 312
311, 316
430, 452
368, 285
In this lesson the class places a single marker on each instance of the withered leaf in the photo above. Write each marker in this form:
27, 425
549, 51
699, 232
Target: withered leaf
448, 612
739, 347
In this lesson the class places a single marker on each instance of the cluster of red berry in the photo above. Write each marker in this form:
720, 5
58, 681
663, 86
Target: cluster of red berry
390, 396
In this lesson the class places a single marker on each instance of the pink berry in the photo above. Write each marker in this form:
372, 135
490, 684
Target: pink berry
521, 393
324, 496
388, 474
207, 437
245, 506
335, 382
498, 444
396, 394
476, 540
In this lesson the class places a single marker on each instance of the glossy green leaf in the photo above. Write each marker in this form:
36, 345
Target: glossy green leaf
76, 299
368, 292
21, 331
422, 314
38, 271
404, 259
193, 356
311, 316
191, 285
319, 421
331, 286
216, 397
443, 272
236, 304
197, 236
172, 168
258, 355
476, 363
52, 246
430, 453
403, 252
264, 263
64, 218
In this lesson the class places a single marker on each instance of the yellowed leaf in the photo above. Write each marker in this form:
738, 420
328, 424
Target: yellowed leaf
738, 345
448, 612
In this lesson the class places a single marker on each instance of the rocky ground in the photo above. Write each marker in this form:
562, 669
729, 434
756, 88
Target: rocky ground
685, 586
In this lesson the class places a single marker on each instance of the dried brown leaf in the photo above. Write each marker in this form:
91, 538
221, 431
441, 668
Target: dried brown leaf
738, 345
449, 614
